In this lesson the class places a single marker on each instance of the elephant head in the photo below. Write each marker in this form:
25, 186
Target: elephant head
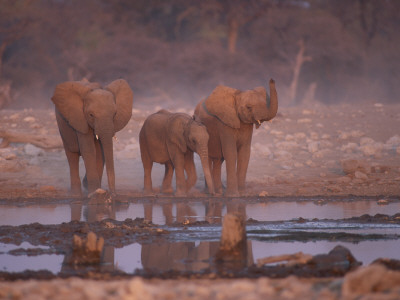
192, 135
231, 106
99, 112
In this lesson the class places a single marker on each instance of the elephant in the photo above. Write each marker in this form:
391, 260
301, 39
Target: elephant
170, 139
88, 116
229, 115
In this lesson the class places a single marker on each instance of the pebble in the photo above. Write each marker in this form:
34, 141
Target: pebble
33, 150
360, 175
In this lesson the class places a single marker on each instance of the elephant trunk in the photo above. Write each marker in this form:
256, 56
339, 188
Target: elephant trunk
272, 102
107, 145
206, 169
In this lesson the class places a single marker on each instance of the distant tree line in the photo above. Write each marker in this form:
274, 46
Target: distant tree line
179, 50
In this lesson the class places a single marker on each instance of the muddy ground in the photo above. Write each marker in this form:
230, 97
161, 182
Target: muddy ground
323, 152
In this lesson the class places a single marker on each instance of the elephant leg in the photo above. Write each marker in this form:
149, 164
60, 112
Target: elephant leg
216, 174
166, 187
229, 151
242, 164
88, 153
190, 169
73, 161
99, 159
179, 164
148, 185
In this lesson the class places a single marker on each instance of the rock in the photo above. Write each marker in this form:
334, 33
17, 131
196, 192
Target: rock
313, 147
304, 121
33, 150
360, 175
349, 148
263, 194
374, 279
29, 119
350, 166
337, 262
282, 155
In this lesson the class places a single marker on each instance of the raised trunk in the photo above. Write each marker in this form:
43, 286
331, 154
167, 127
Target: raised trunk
207, 173
272, 102
107, 145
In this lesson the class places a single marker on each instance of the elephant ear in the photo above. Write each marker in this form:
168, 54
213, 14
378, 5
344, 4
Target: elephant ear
68, 99
123, 100
176, 131
222, 105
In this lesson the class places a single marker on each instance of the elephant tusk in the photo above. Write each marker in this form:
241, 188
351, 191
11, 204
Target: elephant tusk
115, 138
97, 137
258, 121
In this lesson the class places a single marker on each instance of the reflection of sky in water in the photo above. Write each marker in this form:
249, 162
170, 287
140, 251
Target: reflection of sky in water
129, 258
20, 263
267, 211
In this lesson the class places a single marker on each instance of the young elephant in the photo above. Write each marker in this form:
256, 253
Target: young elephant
170, 139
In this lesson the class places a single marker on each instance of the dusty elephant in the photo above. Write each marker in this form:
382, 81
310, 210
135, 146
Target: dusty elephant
88, 117
170, 139
229, 115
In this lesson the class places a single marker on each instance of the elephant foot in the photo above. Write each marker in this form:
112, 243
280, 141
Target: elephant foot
168, 191
232, 193
180, 194
76, 192
149, 193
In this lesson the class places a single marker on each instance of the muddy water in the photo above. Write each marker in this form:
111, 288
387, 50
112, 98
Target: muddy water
273, 228
168, 211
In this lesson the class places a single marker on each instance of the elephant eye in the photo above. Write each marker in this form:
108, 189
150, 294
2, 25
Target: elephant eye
248, 107
91, 115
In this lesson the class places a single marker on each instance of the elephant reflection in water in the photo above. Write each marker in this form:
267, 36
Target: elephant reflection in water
186, 256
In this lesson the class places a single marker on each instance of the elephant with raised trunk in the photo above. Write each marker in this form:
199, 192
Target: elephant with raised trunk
88, 116
170, 139
229, 115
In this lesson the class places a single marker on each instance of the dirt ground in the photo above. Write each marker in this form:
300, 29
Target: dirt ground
322, 151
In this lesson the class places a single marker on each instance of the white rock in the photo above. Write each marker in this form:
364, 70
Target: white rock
300, 136
29, 119
33, 150
349, 148
304, 121
282, 155
360, 175
313, 147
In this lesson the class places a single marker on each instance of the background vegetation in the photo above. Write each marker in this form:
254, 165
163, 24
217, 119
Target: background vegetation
177, 51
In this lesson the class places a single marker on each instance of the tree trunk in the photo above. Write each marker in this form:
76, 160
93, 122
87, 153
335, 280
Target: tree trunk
300, 60
232, 35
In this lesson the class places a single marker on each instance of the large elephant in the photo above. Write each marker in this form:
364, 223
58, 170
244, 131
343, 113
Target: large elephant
170, 139
88, 117
229, 115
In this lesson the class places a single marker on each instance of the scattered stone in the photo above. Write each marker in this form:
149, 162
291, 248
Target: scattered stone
304, 121
29, 119
313, 147
360, 175
33, 150
374, 279
47, 188
350, 166
383, 202
263, 194
100, 196
289, 259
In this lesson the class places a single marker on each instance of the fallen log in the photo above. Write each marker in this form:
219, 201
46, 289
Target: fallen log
42, 141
